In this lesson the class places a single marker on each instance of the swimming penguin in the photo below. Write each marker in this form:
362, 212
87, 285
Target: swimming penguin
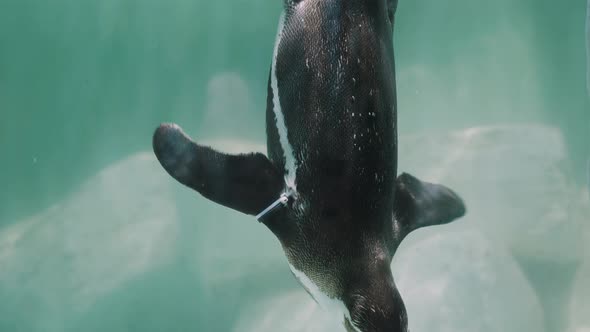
329, 188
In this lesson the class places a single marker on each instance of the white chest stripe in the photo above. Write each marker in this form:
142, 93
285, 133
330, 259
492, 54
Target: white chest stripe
332, 306
290, 166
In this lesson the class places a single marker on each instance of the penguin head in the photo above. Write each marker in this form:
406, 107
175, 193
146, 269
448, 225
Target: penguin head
375, 304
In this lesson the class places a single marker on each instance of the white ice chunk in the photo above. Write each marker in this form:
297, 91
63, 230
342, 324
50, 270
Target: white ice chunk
579, 307
457, 281
515, 182
293, 311
230, 108
116, 226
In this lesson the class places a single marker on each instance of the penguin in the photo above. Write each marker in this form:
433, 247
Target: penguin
328, 186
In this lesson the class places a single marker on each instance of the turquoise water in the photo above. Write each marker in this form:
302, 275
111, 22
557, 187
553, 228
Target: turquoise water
493, 101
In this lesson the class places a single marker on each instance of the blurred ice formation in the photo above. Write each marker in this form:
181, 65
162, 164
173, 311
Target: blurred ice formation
129, 244
228, 112
588, 73
579, 305
457, 281
588, 47
293, 311
517, 185
118, 225
514, 179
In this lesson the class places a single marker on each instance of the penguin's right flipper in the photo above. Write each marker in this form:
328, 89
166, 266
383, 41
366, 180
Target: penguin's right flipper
246, 182
419, 204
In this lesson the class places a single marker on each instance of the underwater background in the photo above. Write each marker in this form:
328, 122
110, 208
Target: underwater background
95, 236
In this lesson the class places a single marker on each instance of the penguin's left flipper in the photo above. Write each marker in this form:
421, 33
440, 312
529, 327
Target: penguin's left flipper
419, 204
246, 182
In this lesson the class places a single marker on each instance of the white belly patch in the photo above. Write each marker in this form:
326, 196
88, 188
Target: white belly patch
334, 307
